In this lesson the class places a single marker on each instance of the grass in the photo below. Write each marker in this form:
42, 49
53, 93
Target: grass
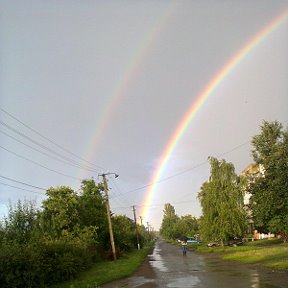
270, 253
108, 271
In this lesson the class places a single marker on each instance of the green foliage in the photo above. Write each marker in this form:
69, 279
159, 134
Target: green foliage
30, 257
60, 211
41, 264
221, 200
20, 266
124, 233
269, 201
174, 226
186, 226
92, 210
52, 245
21, 224
169, 220
107, 271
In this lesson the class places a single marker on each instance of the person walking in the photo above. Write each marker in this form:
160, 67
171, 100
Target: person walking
184, 247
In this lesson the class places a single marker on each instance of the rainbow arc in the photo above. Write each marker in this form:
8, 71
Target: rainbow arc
195, 107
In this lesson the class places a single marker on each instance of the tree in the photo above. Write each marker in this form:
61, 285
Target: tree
21, 225
169, 220
221, 199
92, 210
269, 200
124, 232
186, 226
60, 212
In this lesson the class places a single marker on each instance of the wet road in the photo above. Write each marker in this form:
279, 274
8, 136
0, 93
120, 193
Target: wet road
171, 269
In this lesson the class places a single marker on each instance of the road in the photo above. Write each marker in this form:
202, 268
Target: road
167, 267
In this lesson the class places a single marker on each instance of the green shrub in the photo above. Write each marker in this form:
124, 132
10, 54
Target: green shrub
20, 266
39, 265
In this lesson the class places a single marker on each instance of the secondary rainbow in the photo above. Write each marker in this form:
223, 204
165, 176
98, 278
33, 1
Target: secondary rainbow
131, 70
203, 96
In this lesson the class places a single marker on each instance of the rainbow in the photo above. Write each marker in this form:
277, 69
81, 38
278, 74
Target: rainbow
122, 85
214, 83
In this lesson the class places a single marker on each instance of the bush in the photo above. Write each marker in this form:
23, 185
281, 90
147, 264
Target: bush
39, 265
20, 266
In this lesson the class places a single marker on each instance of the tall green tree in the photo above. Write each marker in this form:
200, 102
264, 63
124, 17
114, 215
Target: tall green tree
60, 213
221, 199
269, 200
92, 210
169, 220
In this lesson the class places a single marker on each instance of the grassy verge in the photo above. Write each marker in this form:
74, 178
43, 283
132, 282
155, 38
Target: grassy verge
108, 271
270, 253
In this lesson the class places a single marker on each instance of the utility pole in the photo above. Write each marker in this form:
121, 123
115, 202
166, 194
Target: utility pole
148, 229
108, 212
141, 220
137, 234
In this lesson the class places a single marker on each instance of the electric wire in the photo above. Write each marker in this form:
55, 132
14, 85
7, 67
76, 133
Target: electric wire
50, 141
115, 197
23, 183
5, 184
46, 154
38, 164
184, 171
156, 205
43, 146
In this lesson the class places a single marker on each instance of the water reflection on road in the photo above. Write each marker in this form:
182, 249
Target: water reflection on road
194, 270
173, 270
156, 260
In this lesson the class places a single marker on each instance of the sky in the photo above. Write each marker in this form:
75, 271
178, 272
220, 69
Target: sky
93, 87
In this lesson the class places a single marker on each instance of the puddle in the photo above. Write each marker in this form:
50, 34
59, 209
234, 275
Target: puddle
137, 281
156, 260
183, 282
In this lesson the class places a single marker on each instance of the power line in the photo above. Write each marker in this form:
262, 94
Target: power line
184, 171
21, 188
38, 164
115, 197
49, 140
155, 205
46, 154
17, 181
40, 145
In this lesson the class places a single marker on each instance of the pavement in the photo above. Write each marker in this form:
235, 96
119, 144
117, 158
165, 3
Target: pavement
168, 267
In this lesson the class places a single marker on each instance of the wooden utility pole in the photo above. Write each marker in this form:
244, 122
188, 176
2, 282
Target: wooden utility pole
137, 234
108, 213
148, 227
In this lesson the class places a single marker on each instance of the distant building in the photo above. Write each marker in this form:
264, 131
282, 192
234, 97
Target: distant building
251, 172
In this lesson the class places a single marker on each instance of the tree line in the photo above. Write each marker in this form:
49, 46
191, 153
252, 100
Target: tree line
224, 215
68, 234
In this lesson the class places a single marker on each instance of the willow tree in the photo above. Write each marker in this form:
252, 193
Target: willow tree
221, 199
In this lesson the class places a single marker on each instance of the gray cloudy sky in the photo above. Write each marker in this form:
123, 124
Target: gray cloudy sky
110, 81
